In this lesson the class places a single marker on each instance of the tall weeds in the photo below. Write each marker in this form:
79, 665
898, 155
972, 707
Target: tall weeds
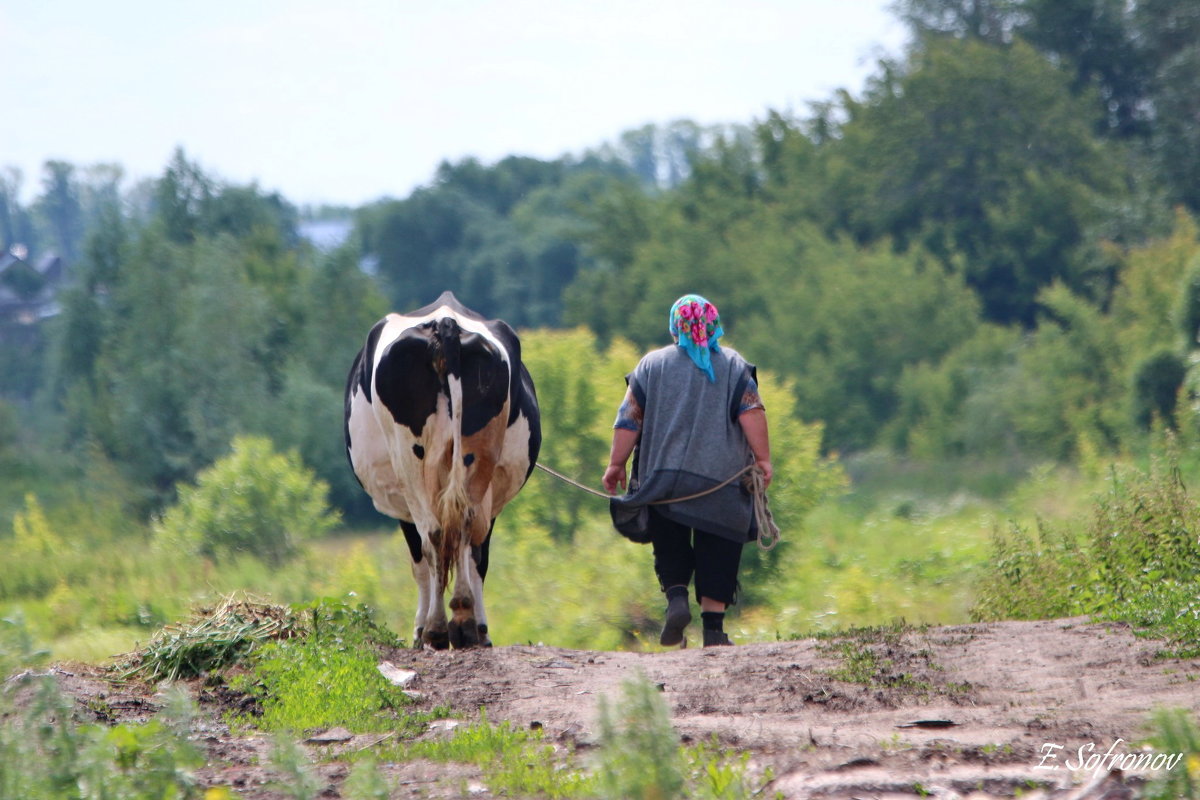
1135, 559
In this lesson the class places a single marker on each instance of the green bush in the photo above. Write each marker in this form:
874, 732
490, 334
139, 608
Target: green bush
1031, 575
1137, 559
1156, 384
330, 676
45, 755
254, 501
639, 752
1174, 731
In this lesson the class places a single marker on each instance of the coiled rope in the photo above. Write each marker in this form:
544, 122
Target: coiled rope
768, 531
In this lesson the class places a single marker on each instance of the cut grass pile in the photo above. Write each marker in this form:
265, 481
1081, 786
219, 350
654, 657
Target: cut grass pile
211, 639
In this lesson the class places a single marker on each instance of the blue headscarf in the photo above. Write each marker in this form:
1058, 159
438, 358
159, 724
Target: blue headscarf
696, 325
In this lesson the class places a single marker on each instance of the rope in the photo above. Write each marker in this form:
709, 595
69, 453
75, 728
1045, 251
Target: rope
768, 531
574, 483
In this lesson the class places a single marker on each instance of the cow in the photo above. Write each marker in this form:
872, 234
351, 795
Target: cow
442, 430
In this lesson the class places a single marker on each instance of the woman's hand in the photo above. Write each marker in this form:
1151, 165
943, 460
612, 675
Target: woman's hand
614, 477
623, 443
754, 425
767, 470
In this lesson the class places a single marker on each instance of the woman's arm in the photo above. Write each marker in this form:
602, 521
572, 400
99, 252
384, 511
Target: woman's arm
622, 445
754, 425
626, 432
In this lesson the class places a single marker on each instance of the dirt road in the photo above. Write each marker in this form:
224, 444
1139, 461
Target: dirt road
1026, 709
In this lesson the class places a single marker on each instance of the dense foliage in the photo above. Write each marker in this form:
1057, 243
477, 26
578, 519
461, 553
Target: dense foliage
1134, 558
253, 501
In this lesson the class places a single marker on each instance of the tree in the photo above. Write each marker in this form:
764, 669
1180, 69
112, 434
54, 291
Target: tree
991, 21
180, 197
1097, 39
981, 154
16, 223
60, 209
845, 322
579, 389
503, 238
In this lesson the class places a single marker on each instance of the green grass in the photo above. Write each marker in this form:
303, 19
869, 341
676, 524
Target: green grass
1133, 557
864, 658
326, 674
514, 762
1174, 731
46, 755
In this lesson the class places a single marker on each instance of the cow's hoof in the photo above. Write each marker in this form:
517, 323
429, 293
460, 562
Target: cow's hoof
464, 634
483, 635
437, 640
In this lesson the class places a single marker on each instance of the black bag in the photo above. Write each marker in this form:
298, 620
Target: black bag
632, 522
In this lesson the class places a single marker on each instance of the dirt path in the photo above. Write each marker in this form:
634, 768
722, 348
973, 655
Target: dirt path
1010, 693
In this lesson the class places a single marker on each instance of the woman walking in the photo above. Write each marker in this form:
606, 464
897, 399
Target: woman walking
693, 416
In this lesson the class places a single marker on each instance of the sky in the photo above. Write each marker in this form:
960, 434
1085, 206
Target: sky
347, 101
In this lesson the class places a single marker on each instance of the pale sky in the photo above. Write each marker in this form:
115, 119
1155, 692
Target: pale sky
346, 101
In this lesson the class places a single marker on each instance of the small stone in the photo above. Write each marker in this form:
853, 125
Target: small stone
331, 736
395, 675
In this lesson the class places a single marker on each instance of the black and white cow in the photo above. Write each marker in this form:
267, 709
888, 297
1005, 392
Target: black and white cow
442, 430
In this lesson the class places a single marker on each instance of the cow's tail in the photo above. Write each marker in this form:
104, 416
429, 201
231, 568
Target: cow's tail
454, 504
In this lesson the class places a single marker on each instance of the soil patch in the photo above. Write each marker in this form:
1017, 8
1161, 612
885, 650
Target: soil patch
951, 712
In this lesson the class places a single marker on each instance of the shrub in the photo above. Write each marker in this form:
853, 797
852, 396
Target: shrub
1136, 560
1031, 575
1156, 385
44, 753
330, 676
1175, 732
255, 501
639, 753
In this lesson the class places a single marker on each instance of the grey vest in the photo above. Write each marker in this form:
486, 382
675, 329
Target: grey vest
691, 441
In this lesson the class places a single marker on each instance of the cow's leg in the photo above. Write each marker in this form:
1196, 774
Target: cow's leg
480, 558
434, 633
422, 570
464, 627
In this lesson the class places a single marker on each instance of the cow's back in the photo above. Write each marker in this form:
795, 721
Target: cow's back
415, 453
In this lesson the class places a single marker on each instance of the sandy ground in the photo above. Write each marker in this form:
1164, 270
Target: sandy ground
975, 711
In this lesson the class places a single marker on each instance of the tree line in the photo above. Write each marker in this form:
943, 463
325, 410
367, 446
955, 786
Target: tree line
989, 251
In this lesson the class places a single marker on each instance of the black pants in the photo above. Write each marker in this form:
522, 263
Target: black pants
712, 559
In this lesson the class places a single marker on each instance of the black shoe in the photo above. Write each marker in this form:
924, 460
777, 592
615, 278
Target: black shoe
716, 639
678, 617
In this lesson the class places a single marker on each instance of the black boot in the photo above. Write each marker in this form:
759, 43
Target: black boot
716, 639
678, 616
714, 629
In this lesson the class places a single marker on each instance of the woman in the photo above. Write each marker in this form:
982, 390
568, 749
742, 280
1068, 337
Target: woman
693, 413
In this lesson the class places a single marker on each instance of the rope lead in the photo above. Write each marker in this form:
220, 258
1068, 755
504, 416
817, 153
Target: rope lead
768, 531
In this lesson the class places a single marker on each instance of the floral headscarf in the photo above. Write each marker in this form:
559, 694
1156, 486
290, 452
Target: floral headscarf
697, 325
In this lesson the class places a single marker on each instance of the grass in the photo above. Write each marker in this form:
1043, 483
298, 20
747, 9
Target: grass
1174, 731
325, 673
514, 762
46, 755
866, 656
1133, 557
93, 568
914, 546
